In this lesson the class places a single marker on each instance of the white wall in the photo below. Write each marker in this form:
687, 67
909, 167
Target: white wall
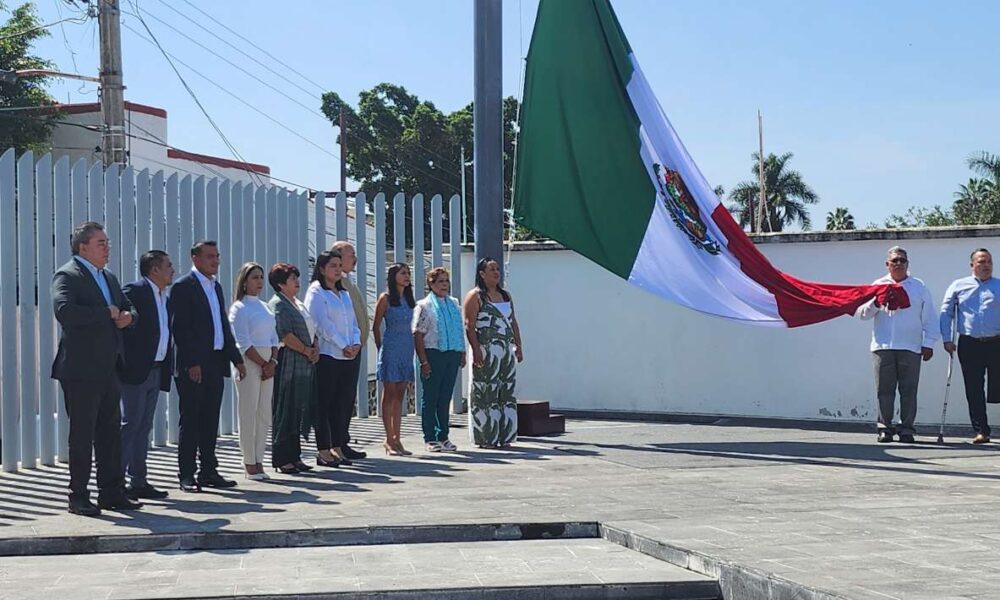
592, 341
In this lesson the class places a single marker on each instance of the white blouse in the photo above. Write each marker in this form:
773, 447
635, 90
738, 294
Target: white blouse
253, 324
336, 323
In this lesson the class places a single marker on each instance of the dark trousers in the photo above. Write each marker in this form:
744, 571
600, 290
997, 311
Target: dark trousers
435, 406
94, 421
287, 451
337, 385
896, 369
980, 361
138, 407
200, 404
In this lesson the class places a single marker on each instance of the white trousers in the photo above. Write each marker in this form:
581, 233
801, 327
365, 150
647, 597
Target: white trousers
253, 409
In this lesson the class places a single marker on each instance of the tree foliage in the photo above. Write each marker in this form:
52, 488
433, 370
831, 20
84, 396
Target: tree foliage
977, 202
397, 142
787, 196
30, 130
840, 219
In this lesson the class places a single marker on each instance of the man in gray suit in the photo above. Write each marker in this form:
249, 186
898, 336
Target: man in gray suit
92, 310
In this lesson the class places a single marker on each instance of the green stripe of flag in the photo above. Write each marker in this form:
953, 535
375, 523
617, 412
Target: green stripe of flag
580, 178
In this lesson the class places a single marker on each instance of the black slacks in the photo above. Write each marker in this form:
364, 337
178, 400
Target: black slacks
980, 362
94, 432
200, 405
337, 384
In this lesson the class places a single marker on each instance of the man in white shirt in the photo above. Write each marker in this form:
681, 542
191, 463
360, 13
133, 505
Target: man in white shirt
900, 339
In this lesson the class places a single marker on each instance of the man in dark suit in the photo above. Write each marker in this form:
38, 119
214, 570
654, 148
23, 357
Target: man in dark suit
146, 371
204, 347
90, 307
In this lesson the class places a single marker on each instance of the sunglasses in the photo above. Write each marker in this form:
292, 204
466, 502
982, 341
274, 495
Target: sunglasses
898, 261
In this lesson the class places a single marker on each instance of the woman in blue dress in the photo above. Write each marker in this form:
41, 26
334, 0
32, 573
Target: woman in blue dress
395, 351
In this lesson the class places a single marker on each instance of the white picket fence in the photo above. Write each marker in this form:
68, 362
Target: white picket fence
41, 200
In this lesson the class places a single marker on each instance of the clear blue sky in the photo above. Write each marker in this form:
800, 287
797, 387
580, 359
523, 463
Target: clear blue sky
881, 102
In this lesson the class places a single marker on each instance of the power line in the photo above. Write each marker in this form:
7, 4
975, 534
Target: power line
268, 54
190, 91
236, 97
234, 47
78, 20
232, 64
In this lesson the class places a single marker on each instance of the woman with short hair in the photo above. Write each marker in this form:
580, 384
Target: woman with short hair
295, 377
440, 346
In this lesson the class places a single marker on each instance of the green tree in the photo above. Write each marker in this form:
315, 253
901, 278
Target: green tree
921, 217
839, 219
397, 142
787, 195
30, 130
977, 203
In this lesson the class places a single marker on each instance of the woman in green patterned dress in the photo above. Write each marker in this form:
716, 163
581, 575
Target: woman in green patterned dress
493, 334
295, 378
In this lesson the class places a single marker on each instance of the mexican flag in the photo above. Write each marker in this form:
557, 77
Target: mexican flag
601, 170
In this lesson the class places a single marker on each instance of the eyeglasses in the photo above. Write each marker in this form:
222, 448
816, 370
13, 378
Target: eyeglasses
898, 261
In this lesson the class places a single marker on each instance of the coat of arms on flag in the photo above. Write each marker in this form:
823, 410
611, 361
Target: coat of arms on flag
682, 208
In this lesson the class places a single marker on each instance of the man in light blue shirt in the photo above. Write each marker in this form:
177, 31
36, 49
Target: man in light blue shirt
972, 307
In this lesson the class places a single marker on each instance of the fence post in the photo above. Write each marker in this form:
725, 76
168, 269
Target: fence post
158, 241
271, 257
27, 361
127, 253
455, 225
361, 275
399, 228
173, 248
340, 214
46, 385
95, 193
228, 201
8, 316
198, 206
418, 284
380, 272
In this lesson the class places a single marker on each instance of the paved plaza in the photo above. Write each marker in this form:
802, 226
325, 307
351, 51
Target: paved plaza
829, 511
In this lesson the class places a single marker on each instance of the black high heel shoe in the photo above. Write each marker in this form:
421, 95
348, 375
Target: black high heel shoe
287, 470
328, 463
302, 467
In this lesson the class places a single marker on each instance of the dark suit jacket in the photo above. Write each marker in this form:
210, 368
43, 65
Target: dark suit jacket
90, 347
142, 340
192, 328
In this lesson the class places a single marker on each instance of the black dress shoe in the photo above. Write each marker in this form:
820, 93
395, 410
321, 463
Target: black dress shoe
216, 481
302, 467
83, 507
884, 436
188, 484
147, 491
352, 454
118, 502
907, 438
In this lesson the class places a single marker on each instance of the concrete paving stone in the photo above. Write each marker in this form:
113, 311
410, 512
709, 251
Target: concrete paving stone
763, 497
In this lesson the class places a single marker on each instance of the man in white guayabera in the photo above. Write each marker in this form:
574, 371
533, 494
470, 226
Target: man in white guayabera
900, 339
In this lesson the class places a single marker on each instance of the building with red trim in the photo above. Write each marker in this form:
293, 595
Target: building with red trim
78, 136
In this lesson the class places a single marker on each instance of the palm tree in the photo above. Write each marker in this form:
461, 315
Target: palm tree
839, 219
986, 164
787, 196
977, 202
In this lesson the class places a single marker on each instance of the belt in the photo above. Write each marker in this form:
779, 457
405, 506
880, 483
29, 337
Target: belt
991, 338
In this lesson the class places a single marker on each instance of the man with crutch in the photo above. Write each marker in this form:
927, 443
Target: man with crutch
974, 302
900, 339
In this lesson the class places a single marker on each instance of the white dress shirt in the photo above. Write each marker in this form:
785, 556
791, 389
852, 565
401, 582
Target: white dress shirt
253, 325
160, 296
336, 323
208, 286
910, 328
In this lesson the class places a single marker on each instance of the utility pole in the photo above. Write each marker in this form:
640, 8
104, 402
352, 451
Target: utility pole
488, 129
760, 169
343, 150
112, 88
